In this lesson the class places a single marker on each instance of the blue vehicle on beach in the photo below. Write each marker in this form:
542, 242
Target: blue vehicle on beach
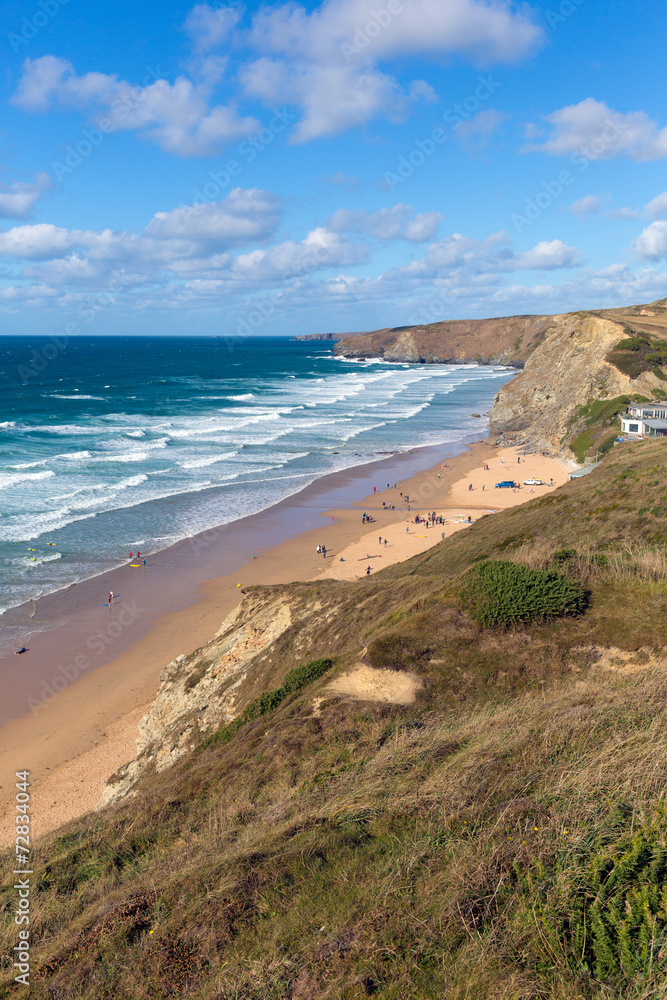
506, 484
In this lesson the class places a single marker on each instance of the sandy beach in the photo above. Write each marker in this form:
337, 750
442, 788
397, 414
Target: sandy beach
73, 722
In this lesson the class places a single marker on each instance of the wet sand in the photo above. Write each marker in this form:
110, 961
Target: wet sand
72, 709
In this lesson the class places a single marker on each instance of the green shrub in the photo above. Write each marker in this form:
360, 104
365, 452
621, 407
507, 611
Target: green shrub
500, 593
607, 905
294, 681
632, 344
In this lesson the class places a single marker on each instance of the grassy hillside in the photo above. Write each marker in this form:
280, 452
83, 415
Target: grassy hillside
502, 837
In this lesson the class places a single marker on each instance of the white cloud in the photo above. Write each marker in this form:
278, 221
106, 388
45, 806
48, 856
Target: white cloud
595, 131
40, 242
590, 204
211, 26
178, 117
332, 98
187, 232
657, 208
23, 293
17, 200
547, 256
652, 242
245, 215
482, 32
388, 223
327, 61
474, 133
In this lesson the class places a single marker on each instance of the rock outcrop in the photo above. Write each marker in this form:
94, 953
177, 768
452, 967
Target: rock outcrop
568, 369
201, 692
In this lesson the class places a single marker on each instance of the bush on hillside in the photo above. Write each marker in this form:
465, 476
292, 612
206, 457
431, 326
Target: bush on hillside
294, 681
500, 593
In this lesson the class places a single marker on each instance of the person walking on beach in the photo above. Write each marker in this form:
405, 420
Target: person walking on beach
380, 540
324, 551
111, 597
319, 549
130, 556
385, 543
368, 571
374, 489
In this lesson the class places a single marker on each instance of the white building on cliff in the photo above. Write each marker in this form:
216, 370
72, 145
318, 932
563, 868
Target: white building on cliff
645, 420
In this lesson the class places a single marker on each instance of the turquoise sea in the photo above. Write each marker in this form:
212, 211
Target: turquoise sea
113, 444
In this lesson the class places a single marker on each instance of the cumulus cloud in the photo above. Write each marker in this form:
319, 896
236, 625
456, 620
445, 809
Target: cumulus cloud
17, 200
327, 61
178, 117
388, 223
40, 242
596, 131
245, 215
547, 256
652, 242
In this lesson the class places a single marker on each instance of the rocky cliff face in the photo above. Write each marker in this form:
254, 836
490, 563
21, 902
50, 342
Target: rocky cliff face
505, 341
566, 370
201, 692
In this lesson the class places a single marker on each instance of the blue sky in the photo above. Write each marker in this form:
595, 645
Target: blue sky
228, 169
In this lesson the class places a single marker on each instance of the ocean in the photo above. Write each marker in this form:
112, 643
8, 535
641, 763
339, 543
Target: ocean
109, 445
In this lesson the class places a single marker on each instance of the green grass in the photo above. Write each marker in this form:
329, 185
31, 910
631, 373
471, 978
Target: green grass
501, 837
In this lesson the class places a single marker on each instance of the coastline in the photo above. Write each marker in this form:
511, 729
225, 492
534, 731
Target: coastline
89, 728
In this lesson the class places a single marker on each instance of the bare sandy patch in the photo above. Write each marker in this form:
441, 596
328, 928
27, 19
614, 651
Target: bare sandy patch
368, 684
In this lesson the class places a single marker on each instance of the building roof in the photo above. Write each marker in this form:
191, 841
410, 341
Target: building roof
657, 425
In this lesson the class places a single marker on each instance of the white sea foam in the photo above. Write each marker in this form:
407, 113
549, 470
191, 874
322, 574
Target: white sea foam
200, 463
8, 479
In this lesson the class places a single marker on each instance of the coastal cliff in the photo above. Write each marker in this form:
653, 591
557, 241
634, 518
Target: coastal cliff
564, 374
200, 692
568, 362
508, 340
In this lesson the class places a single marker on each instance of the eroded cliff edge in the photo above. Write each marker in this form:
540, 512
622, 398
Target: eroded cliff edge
567, 362
565, 373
